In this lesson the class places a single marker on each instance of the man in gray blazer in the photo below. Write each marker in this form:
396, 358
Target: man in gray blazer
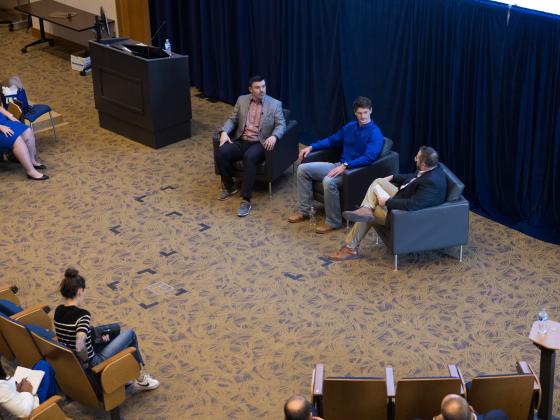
255, 124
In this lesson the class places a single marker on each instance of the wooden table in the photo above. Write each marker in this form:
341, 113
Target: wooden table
73, 19
547, 343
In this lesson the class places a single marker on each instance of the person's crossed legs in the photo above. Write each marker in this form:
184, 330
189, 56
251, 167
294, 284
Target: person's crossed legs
360, 229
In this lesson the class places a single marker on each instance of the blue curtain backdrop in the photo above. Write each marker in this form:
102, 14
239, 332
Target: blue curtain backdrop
477, 80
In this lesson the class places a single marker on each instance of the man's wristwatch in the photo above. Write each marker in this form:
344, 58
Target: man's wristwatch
345, 164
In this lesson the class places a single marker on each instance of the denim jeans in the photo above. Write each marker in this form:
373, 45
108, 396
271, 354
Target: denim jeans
317, 171
125, 339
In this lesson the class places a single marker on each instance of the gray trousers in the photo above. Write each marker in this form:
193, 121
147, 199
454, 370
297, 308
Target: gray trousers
317, 171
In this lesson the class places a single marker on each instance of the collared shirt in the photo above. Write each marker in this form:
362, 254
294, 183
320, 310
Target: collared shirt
418, 175
251, 131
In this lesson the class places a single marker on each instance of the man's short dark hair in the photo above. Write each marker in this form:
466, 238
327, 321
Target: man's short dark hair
254, 79
429, 156
361, 102
455, 407
297, 408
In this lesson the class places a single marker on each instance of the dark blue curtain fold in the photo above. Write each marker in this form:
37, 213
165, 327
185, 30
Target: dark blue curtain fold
477, 80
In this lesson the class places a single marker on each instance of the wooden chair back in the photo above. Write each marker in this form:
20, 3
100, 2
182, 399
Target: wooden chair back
420, 398
511, 393
70, 375
354, 398
19, 341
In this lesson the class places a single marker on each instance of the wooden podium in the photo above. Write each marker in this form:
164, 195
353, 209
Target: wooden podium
146, 100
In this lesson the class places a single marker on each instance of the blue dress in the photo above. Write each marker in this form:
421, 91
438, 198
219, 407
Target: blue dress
17, 127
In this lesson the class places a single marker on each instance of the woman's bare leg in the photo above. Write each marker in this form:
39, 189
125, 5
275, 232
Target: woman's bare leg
22, 154
29, 137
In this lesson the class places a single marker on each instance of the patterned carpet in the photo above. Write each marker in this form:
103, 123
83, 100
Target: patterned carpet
233, 313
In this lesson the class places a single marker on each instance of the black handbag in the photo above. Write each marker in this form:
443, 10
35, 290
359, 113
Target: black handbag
112, 330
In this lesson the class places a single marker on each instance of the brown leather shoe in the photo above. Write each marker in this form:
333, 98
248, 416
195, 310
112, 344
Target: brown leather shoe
325, 228
297, 217
344, 254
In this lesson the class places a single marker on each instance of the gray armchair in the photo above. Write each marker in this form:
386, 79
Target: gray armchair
276, 161
355, 182
437, 227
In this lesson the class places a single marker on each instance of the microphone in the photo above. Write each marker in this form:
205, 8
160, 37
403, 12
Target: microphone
158, 29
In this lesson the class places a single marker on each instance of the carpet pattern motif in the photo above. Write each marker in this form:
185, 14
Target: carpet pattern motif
233, 313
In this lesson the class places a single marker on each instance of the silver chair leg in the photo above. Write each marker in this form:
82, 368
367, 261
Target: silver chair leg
461, 254
52, 123
396, 262
376, 239
270, 189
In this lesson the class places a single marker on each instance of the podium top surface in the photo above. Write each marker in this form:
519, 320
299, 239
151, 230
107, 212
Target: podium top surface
549, 340
55, 12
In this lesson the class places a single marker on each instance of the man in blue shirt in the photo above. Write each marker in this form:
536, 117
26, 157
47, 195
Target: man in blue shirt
361, 142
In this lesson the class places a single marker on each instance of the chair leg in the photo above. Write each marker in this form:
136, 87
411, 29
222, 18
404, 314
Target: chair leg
461, 254
396, 262
376, 239
270, 189
52, 123
115, 413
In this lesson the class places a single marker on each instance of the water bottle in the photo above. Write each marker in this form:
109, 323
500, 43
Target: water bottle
167, 47
312, 218
543, 317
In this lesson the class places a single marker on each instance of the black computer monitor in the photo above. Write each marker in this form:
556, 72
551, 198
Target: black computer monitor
146, 51
104, 22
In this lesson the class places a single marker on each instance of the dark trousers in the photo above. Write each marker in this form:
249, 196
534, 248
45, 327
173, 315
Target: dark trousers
252, 153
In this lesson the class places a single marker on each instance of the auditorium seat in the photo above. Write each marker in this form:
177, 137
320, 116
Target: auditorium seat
16, 336
420, 398
49, 410
106, 384
514, 393
341, 398
355, 181
276, 161
442, 226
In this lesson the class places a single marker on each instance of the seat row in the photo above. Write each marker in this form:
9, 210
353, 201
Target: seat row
339, 398
27, 336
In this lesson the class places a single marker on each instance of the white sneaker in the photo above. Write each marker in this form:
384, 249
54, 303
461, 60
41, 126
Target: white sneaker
145, 383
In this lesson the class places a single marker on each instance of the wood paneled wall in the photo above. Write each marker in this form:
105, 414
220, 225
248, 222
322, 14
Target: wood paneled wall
133, 17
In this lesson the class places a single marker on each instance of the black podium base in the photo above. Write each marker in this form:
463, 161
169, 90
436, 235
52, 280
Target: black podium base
152, 139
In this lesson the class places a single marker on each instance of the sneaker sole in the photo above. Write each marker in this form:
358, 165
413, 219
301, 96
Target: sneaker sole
245, 214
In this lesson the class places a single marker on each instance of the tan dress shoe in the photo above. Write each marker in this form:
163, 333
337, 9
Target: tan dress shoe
297, 217
325, 228
344, 254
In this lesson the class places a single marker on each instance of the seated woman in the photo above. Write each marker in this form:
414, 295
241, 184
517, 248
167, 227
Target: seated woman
18, 399
73, 328
20, 139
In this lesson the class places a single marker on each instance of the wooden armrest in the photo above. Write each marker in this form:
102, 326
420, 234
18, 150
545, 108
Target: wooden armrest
99, 368
318, 377
116, 371
36, 315
455, 372
8, 292
525, 368
390, 381
48, 410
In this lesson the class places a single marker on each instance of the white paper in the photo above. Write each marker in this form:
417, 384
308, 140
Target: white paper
33, 376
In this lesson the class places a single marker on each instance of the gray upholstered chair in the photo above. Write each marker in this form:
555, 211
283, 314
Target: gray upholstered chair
355, 182
276, 161
443, 226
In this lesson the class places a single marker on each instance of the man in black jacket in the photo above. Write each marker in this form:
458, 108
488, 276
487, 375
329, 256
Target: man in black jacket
426, 187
